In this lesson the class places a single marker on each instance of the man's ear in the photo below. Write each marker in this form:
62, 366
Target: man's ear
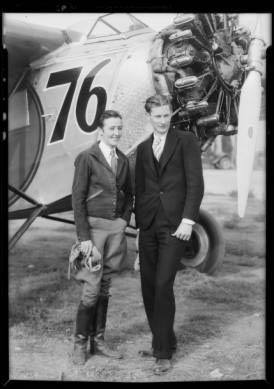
147, 115
100, 133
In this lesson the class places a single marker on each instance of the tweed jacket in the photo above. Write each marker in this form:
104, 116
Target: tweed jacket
96, 191
176, 181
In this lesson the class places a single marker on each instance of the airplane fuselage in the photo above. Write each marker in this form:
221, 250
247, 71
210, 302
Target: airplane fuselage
66, 92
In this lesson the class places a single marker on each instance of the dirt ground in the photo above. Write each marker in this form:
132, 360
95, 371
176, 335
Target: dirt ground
219, 322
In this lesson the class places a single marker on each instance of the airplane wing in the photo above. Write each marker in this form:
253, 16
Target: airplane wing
27, 42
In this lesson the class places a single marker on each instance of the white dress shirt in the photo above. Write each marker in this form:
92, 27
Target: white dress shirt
162, 137
106, 150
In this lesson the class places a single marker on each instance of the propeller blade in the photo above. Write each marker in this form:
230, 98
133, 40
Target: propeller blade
248, 120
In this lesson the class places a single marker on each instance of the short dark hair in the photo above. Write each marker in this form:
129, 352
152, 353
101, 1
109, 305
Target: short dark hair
108, 114
157, 101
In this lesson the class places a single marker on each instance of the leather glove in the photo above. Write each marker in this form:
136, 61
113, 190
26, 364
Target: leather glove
93, 262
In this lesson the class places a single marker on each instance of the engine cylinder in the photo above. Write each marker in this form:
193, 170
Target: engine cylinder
181, 61
186, 82
208, 121
194, 107
185, 34
183, 20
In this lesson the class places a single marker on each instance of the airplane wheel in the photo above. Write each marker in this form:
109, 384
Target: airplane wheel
225, 163
208, 245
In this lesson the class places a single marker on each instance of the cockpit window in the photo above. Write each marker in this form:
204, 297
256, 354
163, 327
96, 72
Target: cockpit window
101, 29
116, 23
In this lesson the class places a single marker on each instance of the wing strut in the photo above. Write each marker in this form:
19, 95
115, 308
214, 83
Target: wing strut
30, 214
36, 212
45, 211
26, 225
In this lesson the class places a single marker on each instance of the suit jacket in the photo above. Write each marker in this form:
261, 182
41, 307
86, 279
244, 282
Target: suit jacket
113, 195
177, 181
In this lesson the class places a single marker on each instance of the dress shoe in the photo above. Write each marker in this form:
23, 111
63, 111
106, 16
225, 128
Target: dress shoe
162, 366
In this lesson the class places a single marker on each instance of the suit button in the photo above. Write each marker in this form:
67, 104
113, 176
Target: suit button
161, 193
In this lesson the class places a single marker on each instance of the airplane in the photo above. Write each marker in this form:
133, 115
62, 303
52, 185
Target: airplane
60, 81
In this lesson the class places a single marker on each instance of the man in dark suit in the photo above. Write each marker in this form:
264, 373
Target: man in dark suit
168, 193
102, 201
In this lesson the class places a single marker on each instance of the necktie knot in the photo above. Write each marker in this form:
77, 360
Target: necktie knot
157, 141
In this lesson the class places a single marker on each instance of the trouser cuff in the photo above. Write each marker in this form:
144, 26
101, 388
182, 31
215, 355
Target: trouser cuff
162, 354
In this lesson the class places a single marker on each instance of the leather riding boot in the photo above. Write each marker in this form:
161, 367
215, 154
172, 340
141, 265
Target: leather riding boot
92, 330
101, 318
81, 333
79, 356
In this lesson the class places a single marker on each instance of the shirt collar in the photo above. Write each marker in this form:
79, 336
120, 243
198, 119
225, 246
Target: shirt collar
160, 136
106, 149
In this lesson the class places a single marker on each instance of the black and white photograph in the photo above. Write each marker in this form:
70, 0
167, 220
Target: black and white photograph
136, 191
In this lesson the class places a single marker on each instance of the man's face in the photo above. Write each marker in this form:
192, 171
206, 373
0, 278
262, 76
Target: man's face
160, 119
112, 131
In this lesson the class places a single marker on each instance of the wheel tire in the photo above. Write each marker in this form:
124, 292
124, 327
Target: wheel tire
208, 243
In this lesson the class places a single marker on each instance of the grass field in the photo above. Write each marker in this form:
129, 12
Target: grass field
219, 319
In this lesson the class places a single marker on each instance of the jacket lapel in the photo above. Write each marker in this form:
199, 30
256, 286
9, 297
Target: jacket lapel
171, 143
97, 153
149, 152
120, 162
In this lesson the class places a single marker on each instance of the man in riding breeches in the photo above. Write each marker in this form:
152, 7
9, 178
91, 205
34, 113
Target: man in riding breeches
102, 201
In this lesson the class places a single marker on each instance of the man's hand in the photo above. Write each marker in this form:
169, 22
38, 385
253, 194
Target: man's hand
96, 254
93, 260
86, 247
183, 232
